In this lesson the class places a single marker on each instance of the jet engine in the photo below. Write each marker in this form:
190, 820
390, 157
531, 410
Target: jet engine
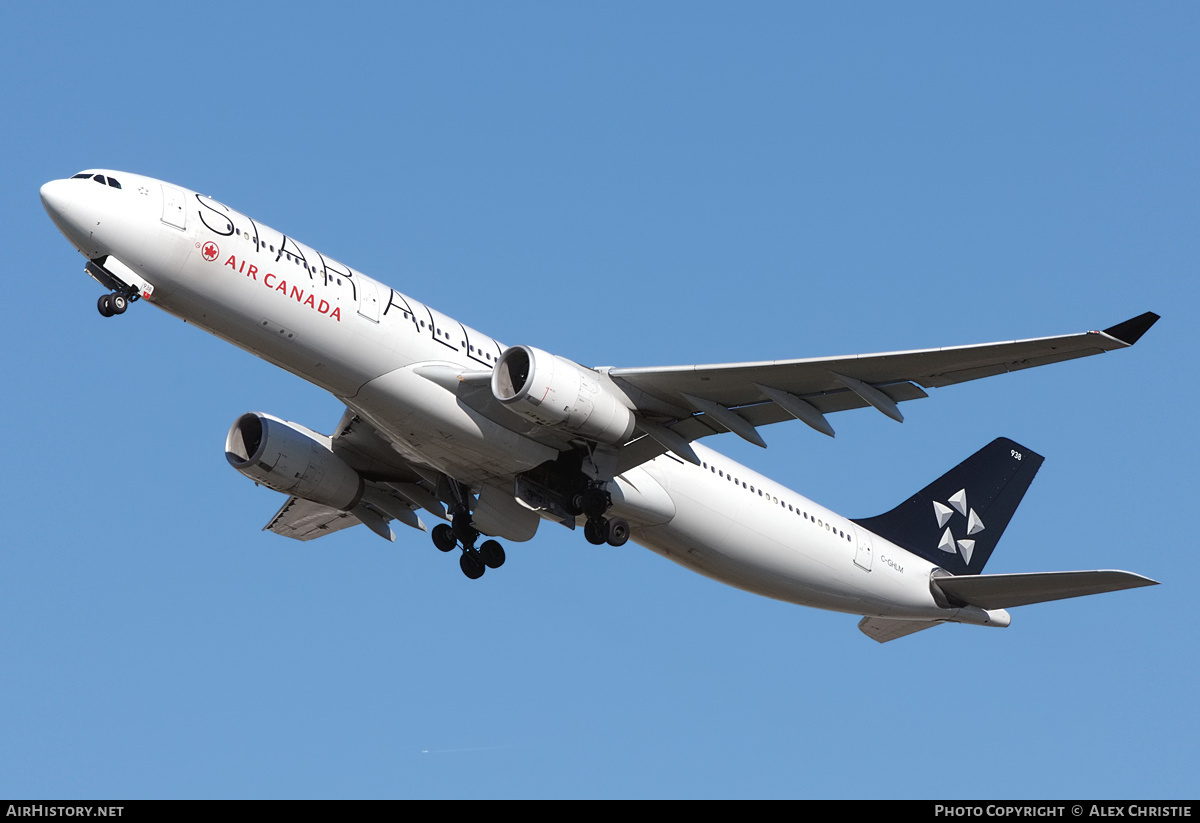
553, 391
291, 459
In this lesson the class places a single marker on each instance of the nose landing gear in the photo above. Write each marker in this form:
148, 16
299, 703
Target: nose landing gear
122, 294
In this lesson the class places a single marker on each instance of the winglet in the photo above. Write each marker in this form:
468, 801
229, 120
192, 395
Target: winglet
1132, 330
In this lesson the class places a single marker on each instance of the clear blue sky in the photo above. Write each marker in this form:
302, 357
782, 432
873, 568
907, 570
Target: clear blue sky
623, 184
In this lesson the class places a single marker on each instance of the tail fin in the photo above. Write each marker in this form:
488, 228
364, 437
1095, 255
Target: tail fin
957, 520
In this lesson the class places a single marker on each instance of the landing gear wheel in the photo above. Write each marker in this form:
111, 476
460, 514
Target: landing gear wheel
118, 303
443, 537
104, 305
574, 505
596, 531
618, 531
472, 564
492, 554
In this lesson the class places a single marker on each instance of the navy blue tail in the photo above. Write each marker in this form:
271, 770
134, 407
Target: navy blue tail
957, 520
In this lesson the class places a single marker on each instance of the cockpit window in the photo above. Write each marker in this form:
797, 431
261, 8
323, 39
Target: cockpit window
99, 178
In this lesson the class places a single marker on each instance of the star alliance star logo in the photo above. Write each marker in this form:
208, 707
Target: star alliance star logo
944, 514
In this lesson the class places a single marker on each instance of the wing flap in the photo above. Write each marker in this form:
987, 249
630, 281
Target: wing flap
1002, 591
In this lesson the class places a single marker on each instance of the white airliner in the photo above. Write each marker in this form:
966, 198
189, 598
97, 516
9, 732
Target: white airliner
443, 419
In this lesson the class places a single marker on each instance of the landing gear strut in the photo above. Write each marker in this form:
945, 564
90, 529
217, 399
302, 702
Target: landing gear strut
461, 533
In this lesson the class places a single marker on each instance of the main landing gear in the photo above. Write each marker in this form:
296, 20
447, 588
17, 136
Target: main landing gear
460, 533
598, 530
474, 562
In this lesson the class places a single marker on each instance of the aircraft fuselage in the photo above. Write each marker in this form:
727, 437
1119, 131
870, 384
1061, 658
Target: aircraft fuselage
373, 348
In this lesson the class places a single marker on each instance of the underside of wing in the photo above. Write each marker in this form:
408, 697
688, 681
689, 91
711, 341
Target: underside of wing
391, 489
302, 519
682, 403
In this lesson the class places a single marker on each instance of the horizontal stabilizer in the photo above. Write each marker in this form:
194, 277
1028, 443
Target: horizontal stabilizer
881, 629
1002, 591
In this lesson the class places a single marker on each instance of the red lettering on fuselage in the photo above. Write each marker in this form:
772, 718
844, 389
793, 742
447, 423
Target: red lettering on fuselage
242, 268
297, 294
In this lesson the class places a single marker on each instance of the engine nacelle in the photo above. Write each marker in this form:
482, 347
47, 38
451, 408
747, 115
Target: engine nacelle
291, 459
553, 391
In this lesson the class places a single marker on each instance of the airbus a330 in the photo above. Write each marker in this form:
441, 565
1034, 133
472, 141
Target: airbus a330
490, 440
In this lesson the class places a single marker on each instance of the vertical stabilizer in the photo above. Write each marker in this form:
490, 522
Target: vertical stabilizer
957, 520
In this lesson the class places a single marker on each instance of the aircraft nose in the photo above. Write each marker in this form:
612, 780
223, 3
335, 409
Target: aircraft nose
75, 212
55, 199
